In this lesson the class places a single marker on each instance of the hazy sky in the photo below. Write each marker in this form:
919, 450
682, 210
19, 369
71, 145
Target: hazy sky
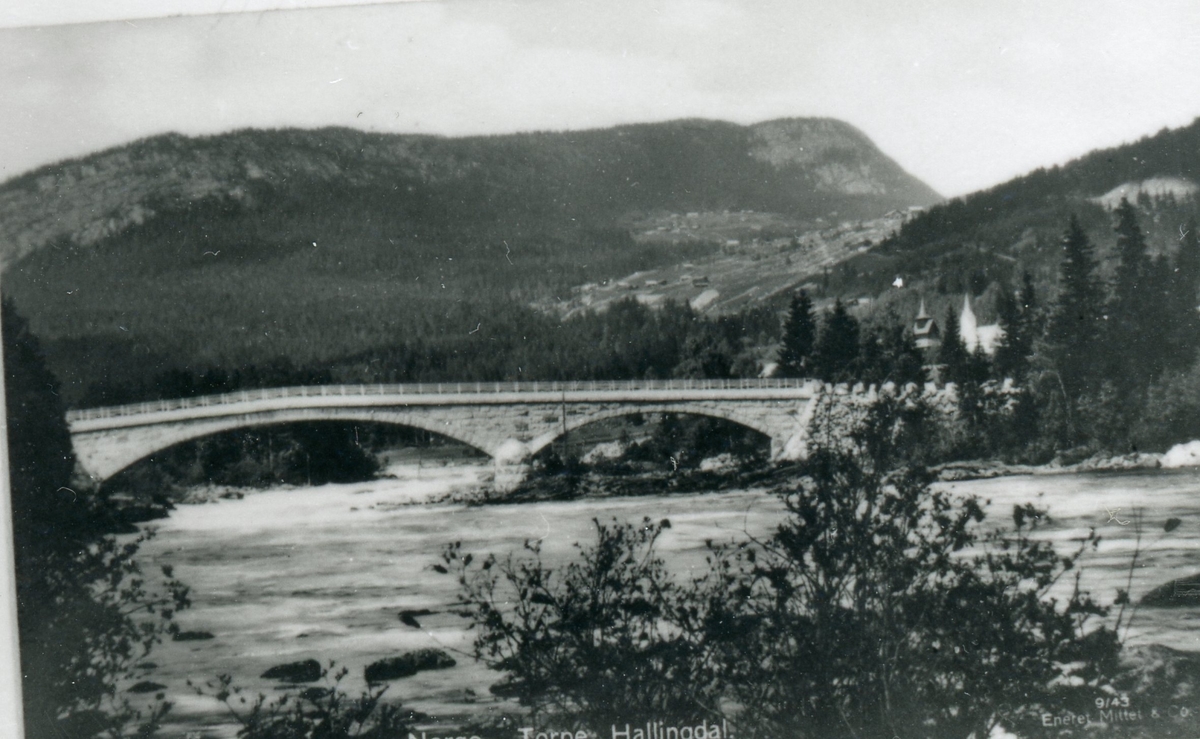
963, 94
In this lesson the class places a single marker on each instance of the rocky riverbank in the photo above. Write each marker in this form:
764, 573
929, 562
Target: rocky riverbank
984, 469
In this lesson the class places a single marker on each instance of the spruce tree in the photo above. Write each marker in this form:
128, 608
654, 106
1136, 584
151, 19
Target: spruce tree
1073, 335
799, 337
872, 362
1187, 265
1185, 287
1018, 320
1010, 358
1030, 316
835, 357
952, 354
1160, 322
1131, 252
1130, 307
905, 361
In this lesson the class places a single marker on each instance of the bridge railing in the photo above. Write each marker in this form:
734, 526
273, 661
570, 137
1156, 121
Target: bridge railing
432, 388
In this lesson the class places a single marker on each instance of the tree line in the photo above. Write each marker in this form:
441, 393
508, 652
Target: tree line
1111, 350
628, 340
1119, 350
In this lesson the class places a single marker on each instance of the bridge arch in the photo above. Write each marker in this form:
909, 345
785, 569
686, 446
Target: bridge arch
508, 422
745, 420
102, 456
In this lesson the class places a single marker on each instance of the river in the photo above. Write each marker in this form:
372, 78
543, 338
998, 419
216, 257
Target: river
289, 574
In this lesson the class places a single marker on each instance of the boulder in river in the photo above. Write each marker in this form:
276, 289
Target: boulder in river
407, 665
192, 636
146, 686
304, 671
1181, 593
313, 695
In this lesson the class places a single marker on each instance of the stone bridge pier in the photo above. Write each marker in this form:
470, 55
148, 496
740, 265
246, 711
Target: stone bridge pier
510, 422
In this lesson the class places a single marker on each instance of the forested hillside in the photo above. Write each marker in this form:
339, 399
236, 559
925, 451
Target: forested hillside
967, 243
1092, 270
318, 248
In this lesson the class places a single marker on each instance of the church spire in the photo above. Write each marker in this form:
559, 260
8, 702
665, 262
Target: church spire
968, 325
925, 329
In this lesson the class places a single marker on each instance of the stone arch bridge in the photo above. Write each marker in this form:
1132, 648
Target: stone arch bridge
509, 421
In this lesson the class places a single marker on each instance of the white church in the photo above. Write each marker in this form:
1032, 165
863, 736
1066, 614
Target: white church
929, 335
973, 334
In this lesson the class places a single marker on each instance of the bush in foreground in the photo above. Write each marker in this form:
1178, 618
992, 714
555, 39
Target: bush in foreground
878, 608
324, 712
608, 638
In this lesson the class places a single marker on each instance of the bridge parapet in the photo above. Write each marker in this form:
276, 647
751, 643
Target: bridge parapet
470, 389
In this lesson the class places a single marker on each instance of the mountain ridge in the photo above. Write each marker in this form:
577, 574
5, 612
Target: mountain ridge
312, 246
578, 172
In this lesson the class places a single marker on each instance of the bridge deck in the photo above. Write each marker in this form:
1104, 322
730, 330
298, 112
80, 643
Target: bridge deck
445, 393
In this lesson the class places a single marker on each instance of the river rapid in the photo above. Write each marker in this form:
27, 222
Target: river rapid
294, 573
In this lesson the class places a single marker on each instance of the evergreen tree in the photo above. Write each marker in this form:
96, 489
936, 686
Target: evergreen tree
1010, 357
889, 354
952, 354
799, 337
1030, 315
872, 362
1185, 287
1073, 334
1019, 321
978, 367
1131, 309
835, 358
972, 404
1131, 252
905, 361
1160, 322
1188, 265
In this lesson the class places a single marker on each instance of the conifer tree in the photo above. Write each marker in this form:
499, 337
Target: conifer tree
1073, 334
1018, 321
905, 360
1188, 264
872, 361
1160, 321
835, 357
1030, 315
1131, 251
1185, 288
1010, 358
952, 354
1129, 307
889, 353
978, 367
799, 337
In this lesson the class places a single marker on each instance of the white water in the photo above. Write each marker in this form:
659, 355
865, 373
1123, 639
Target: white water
290, 574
